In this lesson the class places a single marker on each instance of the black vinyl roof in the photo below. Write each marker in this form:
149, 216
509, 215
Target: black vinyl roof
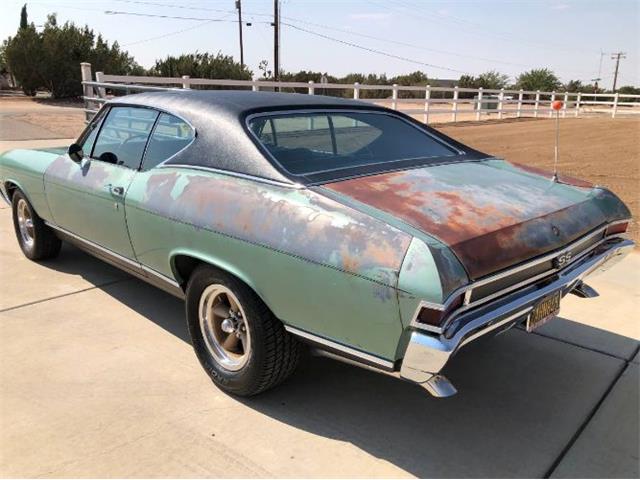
222, 138
239, 102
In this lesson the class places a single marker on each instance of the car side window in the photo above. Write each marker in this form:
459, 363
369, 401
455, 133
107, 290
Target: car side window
123, 136
90, 134
169, 136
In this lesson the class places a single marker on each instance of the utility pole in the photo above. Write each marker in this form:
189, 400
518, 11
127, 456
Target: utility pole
617, 56
239, 8
276, 40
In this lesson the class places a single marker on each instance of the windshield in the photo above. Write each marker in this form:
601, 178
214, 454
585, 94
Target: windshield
308, 143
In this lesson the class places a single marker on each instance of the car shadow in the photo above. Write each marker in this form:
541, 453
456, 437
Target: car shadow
521, 399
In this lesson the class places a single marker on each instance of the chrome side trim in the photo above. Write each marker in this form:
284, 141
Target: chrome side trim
352, 352
136, 266
160, 276
427, 354
467, 290
231, 174
102, 249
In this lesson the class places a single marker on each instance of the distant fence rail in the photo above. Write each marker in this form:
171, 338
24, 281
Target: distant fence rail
430, 104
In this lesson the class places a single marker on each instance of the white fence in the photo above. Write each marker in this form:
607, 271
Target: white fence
427, 103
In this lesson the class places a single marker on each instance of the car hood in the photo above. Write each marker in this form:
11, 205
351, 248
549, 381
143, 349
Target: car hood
492, 214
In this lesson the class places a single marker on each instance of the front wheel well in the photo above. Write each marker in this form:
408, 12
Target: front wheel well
10, 188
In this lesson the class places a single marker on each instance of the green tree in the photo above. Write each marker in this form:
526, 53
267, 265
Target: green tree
629, 90
573, 86
541, 79
416, 78
51, 59
201, 65
24, 19
24, 55
493, 80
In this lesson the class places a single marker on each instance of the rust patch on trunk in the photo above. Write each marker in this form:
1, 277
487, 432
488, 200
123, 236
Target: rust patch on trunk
490, 218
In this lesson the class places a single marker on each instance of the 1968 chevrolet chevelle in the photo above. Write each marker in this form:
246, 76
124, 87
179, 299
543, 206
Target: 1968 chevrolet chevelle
290, 219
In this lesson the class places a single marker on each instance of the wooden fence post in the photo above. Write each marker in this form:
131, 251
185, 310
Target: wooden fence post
102, 92
564, 104
256, 86
454, 106
578, 104
356, 91
312, 89
185, 81
553, 99
87, 90
394, 97
535, 108
427, 102
478, 104
615, 105
520, 97
500, 103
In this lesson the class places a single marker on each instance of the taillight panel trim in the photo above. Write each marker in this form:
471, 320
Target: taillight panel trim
466, 291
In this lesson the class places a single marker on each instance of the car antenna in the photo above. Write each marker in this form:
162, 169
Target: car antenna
557, 105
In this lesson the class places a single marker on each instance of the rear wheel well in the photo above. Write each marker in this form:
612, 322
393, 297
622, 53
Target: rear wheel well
183, 267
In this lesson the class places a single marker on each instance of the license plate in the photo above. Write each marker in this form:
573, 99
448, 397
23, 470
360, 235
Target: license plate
547, 309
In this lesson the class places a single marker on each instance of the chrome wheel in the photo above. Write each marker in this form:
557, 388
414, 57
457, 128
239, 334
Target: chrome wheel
223, 327
25, 223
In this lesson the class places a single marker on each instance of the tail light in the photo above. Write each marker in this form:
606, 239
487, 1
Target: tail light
435, 317
616, 228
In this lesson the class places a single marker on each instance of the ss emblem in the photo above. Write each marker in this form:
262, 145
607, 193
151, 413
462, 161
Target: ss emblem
562, 260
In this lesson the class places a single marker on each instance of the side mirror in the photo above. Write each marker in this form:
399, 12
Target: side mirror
75, 152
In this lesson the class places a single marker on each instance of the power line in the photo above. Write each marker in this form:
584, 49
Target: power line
471, 27
372, 50
169, 34
172, 17
404, 44
349, 32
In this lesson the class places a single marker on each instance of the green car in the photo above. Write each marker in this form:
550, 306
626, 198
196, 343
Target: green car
286, 220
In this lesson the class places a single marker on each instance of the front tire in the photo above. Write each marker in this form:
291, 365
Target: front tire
37, 241
240, 343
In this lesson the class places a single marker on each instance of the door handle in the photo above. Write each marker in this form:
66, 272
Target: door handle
116, 190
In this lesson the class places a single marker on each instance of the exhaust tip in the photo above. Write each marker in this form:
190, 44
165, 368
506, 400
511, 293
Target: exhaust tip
583, 290
439, 386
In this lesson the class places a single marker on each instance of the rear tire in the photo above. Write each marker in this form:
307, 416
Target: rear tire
37, 241
240, 343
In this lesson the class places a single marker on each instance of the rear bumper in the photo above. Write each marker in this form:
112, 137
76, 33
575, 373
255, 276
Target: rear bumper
427, 353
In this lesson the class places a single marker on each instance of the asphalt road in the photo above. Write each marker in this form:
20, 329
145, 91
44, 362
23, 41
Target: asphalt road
97, 379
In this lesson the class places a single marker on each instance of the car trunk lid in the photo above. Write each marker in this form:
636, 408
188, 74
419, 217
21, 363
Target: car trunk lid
492, 214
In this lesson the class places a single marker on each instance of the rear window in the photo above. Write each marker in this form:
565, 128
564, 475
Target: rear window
308, 143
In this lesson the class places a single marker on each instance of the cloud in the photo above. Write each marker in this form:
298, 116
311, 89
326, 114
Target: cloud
560, 6
370, 16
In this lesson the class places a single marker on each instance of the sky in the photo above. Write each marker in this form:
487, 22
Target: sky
442, 38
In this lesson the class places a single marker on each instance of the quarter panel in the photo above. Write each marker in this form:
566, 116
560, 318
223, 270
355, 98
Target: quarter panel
320, 266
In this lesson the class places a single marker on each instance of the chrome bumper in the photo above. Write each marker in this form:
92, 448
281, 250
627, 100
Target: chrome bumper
427, 354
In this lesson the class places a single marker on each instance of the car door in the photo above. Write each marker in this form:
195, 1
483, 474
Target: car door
86, 198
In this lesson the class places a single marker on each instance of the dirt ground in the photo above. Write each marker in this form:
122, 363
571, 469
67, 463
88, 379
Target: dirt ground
602, 150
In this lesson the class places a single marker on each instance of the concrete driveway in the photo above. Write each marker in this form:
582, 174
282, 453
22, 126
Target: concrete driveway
98, 379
